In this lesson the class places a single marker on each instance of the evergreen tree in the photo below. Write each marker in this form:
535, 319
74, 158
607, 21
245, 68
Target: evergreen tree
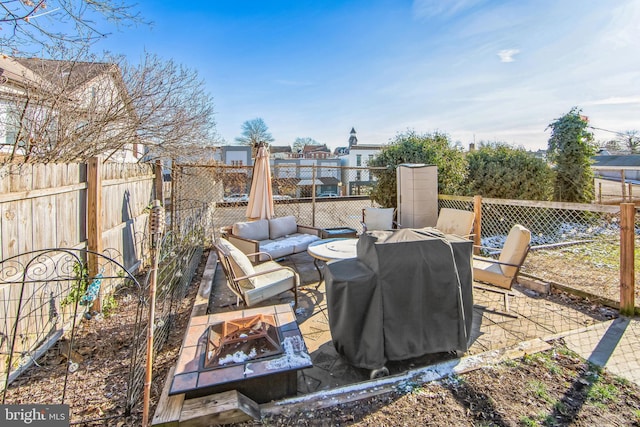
570, 151
411, 147
501, 171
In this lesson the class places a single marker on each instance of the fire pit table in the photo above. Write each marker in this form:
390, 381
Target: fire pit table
256, 351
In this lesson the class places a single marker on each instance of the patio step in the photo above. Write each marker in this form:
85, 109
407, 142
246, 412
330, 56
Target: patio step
223, 408
169, 407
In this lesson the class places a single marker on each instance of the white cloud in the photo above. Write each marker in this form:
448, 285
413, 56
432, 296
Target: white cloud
432, 8
616, 100
506, 55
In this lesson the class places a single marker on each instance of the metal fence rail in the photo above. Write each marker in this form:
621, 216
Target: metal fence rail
315, 196
55, 349
51, 336
574, 245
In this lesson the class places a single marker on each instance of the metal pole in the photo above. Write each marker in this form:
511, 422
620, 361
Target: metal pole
156, 223
313, 195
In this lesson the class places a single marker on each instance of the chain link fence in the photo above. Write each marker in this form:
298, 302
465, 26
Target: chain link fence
573, 245
319, 197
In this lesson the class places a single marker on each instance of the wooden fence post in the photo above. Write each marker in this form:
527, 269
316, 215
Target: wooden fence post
158, 181
176, 173
477, 226
600, 192
627, 286
94, 220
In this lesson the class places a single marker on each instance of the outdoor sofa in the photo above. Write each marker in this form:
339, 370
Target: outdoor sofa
277, 237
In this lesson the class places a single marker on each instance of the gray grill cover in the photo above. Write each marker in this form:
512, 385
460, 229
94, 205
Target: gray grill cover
407, 294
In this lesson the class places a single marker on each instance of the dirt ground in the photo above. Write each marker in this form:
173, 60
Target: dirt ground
554, 388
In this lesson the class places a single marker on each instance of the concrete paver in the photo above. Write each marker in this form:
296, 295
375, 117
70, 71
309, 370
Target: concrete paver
614, 344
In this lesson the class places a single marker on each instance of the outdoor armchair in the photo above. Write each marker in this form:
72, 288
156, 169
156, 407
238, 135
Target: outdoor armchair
502, 273
254, 283
455, 221
378, 219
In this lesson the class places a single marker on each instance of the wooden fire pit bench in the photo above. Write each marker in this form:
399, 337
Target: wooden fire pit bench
228, 407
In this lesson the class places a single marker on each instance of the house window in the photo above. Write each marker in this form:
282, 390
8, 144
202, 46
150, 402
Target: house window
358, 175
358, 159
370, 158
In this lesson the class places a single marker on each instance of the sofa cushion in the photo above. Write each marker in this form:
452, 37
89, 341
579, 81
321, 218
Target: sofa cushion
301, 241
255, 230
272, 283
240, 264
280, 227
276, 248
378, 218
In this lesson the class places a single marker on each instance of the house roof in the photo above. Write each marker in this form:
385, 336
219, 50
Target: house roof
617, 160
329, 180
367, 147
315, 148
280, 149
46, 73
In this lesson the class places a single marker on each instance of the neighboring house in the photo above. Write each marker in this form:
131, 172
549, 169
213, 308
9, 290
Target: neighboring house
280, 151
236, 155
353, 140
300, 172
45, 104
360, 181
316, 152
613, 167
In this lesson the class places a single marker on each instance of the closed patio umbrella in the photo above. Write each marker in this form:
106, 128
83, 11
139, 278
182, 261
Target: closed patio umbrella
260, 204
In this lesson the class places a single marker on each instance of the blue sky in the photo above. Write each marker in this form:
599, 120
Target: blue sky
476, 70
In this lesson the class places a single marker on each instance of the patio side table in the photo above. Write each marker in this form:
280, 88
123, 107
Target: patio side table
339, 232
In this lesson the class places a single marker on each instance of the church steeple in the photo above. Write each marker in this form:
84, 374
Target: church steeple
353, 140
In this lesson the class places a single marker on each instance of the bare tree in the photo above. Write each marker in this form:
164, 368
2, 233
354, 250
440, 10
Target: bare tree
631, 140
175, 112
255, 131
36, 26
73, 110
300, 143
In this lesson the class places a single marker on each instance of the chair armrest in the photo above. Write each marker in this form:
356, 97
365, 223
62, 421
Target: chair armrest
271, 270
495, 261
247, 246
253, 254
306, 229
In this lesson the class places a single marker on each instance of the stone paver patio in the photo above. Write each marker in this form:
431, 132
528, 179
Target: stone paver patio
531, 316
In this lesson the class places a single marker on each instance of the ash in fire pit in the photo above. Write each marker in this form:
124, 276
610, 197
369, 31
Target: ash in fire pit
236, 341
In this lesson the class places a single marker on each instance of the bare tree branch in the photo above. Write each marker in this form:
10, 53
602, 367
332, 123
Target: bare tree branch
72, 110
31, 27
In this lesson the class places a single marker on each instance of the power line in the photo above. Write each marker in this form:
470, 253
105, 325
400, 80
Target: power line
610, 131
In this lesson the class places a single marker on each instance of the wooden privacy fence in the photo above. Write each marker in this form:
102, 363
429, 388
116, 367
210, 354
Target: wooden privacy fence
92, 206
